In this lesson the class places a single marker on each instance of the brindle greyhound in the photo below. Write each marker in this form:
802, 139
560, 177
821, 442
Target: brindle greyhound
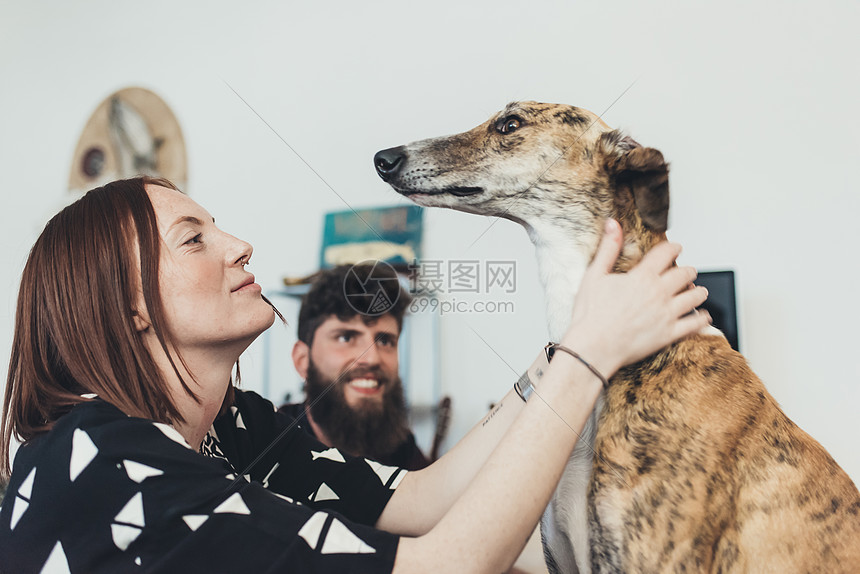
687, 463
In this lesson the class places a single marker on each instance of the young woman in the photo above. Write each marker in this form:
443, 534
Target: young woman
139, 455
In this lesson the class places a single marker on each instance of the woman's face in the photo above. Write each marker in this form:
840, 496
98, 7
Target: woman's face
210, 302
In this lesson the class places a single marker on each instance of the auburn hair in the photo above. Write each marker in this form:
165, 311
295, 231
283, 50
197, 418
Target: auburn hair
74, 325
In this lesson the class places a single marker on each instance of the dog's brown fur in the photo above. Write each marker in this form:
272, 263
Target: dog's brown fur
705, 473
696, 469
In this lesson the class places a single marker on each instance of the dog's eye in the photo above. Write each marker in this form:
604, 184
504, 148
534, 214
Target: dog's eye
508, 124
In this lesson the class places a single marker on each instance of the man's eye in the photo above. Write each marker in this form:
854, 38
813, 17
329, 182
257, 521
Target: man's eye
387, 341
196, 239
344, 338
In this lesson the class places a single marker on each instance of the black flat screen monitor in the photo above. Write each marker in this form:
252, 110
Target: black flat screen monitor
721, 302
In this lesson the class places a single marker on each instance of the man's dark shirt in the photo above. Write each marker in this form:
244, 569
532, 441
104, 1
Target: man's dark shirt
407, 455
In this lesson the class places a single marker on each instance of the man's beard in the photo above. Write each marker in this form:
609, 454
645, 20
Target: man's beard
375, 430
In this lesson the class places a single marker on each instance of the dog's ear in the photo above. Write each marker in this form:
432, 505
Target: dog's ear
644, 173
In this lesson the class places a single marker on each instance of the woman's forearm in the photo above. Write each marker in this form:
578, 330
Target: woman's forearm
486, 528
424, 496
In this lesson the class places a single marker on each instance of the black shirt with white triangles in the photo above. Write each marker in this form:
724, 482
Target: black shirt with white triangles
104, 492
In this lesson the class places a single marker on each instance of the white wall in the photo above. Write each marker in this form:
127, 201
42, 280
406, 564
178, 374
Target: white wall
754, 104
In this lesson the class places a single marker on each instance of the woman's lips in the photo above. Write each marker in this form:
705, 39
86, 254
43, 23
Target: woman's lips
249, 287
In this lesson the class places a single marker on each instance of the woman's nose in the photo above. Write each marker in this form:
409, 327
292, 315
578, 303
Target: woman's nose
240, 252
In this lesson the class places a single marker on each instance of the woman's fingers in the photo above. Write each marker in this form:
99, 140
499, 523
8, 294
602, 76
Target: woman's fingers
622, 317
609, 248
688, 300
690, 325
658, 259
678, 279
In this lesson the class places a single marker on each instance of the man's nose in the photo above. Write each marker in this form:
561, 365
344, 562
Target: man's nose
369, 355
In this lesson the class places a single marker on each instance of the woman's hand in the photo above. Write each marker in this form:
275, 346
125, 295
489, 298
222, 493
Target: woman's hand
620, 318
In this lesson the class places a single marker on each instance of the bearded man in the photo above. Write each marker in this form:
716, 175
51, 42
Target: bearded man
348, 330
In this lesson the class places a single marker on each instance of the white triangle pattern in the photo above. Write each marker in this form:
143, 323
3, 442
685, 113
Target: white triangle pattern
84, 451
233, 505
139, 472
312, 528
382, 471
237, 416
324, 492
124, 535
269, 474
21, 502
57, 563
195, 521
172, 434
137, 561
330, 454
132, 512
398, 480
26, 490
341, 540
19, 507
287, 498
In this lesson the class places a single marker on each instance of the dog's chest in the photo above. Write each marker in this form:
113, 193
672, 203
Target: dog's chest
658, 484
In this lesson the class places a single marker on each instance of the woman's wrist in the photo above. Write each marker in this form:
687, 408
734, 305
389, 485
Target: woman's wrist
553, 348
571, 378
570, 371
594, 354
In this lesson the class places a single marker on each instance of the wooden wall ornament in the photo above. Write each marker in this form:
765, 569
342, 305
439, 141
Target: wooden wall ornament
132, 132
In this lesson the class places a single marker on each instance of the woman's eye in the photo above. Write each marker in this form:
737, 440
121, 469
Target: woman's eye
196, 239
508, 125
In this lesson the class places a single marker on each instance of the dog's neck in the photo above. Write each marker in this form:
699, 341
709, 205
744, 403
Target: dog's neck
562, 259
563, 254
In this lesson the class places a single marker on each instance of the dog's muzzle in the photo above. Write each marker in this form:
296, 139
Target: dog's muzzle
389, 161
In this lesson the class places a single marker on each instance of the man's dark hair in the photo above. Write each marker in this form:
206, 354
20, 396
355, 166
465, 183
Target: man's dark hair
328, 296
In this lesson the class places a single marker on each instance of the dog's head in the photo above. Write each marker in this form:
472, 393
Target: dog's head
533, 163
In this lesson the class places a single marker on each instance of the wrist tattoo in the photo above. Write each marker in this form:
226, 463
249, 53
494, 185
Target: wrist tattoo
490, 416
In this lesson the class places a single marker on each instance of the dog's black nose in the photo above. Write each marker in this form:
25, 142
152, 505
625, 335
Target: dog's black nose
389, 161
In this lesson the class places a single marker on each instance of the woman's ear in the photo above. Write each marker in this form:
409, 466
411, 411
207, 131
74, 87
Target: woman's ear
301, 358
141, 321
